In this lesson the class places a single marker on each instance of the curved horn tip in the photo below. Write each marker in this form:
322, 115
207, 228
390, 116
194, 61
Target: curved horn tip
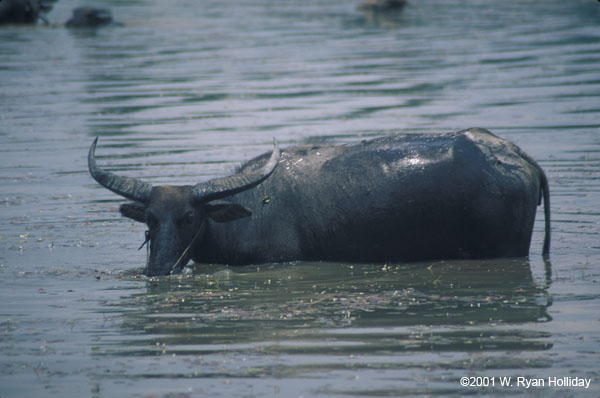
128, 187
227, 186
275, 147
92, 151
93, 146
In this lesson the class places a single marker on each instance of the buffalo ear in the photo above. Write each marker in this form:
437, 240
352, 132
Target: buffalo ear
134, 210
222, 211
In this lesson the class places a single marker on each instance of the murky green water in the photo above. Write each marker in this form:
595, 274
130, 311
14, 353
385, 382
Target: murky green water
187, 90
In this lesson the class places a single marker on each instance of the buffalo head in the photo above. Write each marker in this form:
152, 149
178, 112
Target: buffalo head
176, 215
89, 17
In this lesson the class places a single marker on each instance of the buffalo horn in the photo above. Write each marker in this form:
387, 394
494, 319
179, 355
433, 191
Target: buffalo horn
226, 186
130, 188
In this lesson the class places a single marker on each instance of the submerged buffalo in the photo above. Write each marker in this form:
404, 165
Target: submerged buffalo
24, 11
29, 11
382, 5
89, 17
408, 197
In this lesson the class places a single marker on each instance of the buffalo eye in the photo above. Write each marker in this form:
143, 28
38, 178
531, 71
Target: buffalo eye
151, 220
188, 219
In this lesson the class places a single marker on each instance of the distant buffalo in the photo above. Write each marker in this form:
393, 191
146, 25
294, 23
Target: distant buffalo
89, 17
382, 5
23, 11
29, 11
410, 197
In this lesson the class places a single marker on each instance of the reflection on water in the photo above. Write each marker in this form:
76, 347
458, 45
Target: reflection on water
296, 320
183, 93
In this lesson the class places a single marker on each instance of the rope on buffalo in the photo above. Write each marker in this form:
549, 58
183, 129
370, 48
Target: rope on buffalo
185, 252
181, 257
146, 240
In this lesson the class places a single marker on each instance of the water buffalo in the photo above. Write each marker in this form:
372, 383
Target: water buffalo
409, 197
89, 17
23, 11
382, 5
29, 11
